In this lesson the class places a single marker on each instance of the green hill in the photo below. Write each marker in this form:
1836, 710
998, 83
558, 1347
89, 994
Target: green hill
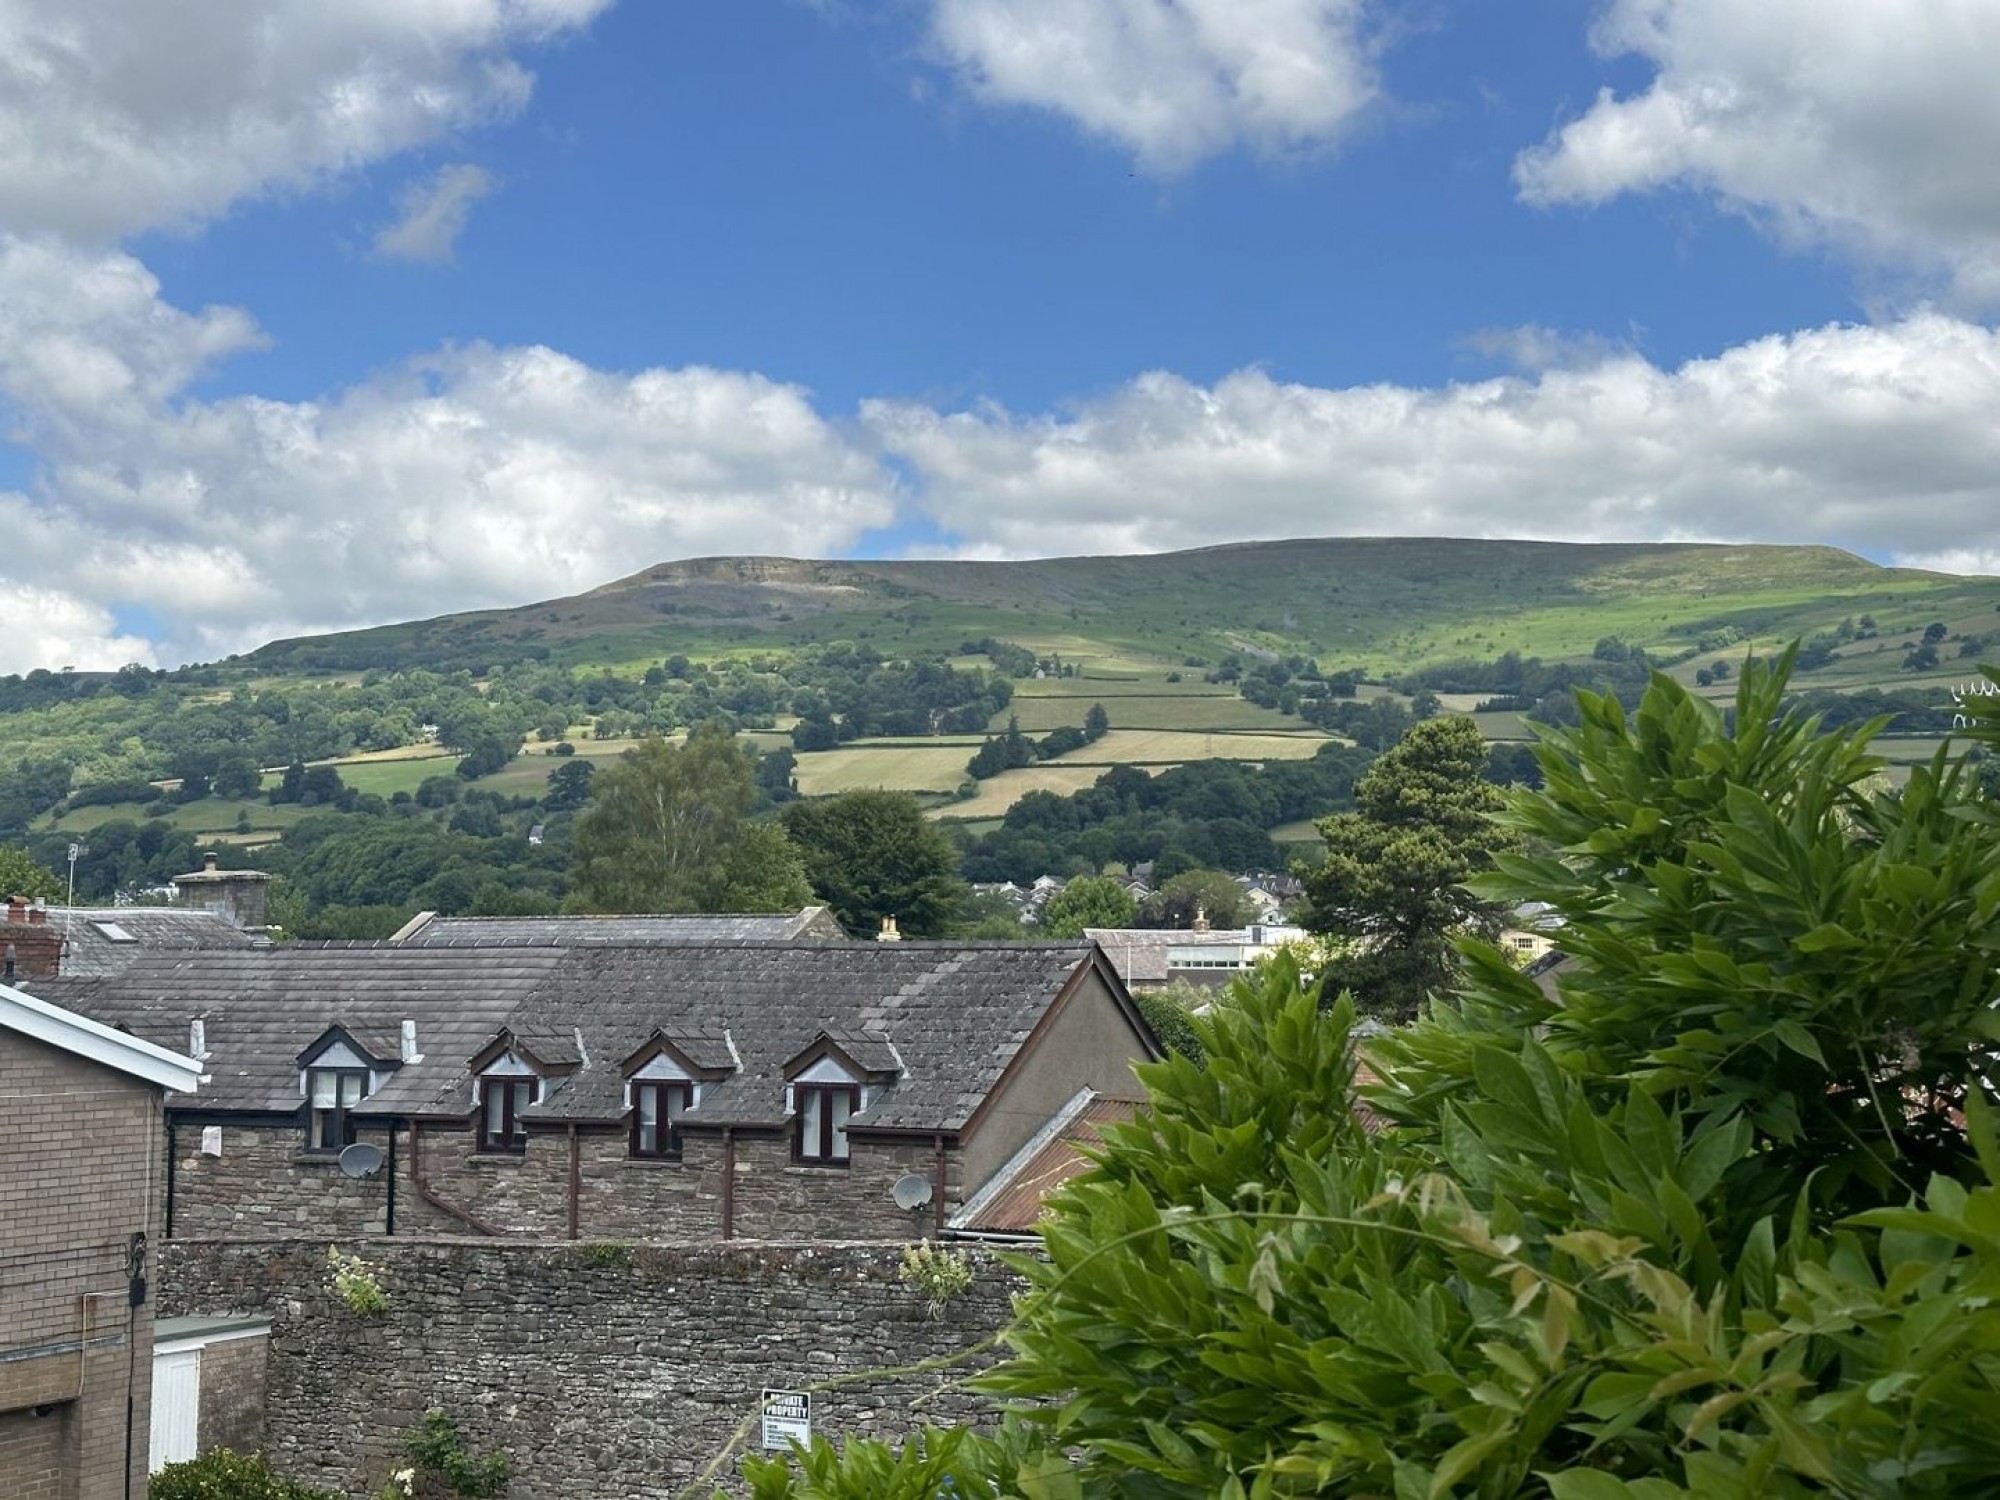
1383, 604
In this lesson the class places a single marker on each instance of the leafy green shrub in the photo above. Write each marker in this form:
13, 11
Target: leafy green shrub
222, 1474
1722, 1223
442, 1467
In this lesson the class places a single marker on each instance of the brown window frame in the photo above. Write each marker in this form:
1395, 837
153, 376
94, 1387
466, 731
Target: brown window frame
822, 1154
337, 1115
666, 1122
513, 1140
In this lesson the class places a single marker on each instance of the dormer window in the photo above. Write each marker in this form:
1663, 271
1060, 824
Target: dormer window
839, 1074
821, 1112
665, 1079
657, 1107
507, 1086
336, 1073
330, 1094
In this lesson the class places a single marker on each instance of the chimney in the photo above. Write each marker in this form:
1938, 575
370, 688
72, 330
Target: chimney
1200, 919
888, 934
410, 1054
208, 860
34, 946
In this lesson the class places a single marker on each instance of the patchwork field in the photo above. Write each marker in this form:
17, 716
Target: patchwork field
1003, 791
896, 767
1146, 747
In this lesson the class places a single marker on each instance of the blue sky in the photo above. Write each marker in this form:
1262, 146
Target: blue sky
310, 321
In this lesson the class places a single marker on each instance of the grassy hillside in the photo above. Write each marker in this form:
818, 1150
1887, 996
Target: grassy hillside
1383, 604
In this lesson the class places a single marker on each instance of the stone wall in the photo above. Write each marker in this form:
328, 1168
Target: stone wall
601, 1368
263, 1184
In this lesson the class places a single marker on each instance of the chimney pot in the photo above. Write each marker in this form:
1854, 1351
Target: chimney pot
888, 934
409, 1048
208, 861
38, 916
198, 1039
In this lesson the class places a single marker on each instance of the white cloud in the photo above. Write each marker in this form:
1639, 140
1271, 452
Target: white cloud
1172, 81
42, 627
1868, 124
434, 213
472, 476
124, 115
1876, 438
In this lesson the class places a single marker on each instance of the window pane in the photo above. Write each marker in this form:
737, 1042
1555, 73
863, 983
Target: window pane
350, 1089
646, 1114
842, 1103
324, 1088
811, 1103
496, 1111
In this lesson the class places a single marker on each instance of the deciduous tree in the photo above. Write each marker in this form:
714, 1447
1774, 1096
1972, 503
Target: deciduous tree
1089, 901
872, 855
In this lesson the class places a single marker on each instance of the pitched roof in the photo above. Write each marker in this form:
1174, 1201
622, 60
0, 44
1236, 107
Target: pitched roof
30, 1016
947, 1018
427, 930
108, 939
260, 1007
1140, 953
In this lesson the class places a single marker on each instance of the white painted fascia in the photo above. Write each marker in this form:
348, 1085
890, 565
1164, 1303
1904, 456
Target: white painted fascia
22, 1012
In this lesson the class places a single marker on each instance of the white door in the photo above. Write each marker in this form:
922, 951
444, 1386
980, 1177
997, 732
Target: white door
176, 1404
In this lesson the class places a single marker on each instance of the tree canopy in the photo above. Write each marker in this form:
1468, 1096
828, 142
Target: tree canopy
21, 876
1391, 882
665, 831
1089, 901
872, 855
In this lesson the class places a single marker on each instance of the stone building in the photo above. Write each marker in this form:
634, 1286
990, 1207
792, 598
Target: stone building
239, 895
80, 1154
671, 1092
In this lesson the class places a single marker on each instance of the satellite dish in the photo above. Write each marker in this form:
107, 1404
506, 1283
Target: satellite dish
912, 1190
361, 1160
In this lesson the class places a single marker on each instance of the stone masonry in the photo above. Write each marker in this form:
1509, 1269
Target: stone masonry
263, 1184
601, 1369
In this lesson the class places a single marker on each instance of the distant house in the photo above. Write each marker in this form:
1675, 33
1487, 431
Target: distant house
688, 1092
80, 1154
809, 924
1151, 957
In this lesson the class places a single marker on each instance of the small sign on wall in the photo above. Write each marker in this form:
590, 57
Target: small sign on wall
787, 1418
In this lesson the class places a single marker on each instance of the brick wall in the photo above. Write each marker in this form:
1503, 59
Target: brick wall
601, 1369
265, 1186
80, 1153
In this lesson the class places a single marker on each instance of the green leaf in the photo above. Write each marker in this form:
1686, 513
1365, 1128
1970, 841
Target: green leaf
1796, 1037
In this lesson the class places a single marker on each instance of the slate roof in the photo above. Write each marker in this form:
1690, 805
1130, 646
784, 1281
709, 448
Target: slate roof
1140, 953
810, 923
947, 1018
955, 1014
261, 1007
94, 946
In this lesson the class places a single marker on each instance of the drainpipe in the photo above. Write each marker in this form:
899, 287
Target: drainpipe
728, 1182
389, 1219
937, 1187
423, 1187
167, 1230
575, 1179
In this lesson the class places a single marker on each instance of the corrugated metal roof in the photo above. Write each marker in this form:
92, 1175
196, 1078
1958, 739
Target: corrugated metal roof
1015, 1205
